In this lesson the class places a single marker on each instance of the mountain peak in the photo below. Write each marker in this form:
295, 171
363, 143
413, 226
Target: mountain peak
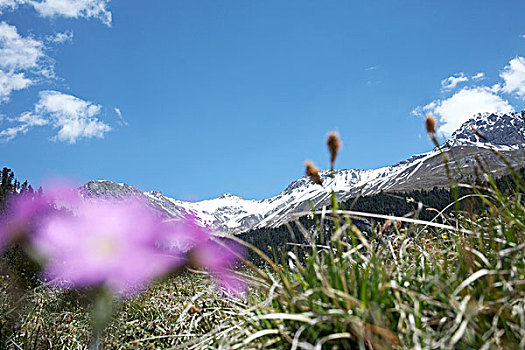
498, 129
108, 189
228, 195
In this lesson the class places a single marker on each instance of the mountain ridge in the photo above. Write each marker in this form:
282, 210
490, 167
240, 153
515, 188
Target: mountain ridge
233, 214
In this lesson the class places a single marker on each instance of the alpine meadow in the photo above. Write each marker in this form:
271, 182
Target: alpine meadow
299, 107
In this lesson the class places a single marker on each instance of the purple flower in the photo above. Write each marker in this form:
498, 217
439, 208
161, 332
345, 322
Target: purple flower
182, 236
18, 220
219, 257
121, 245
104, 243
26, 213
189, 238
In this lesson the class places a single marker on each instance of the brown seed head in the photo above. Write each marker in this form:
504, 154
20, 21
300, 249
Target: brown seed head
387, 224
193, 310
430, 124
313, 172
334, 143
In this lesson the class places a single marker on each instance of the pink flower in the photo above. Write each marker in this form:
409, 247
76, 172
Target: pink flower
219, 258
121, 245
19, 220
202, 249
26, 213
104, 244
182, 236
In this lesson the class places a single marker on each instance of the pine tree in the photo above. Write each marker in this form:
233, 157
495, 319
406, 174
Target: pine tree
23, 188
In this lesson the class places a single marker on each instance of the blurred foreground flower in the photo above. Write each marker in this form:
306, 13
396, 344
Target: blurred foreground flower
117, 247
121, 245
218, 259
26, 212
188, 238
103, 243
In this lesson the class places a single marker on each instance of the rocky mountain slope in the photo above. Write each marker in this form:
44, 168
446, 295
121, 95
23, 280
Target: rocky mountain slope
232, 214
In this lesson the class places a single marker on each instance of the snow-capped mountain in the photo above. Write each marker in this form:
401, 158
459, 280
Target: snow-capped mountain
498, 129
232, 214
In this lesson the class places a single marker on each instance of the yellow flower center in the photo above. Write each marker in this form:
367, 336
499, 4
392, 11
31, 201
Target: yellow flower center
105, 247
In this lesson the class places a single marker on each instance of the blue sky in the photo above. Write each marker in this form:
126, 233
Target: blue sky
233, 96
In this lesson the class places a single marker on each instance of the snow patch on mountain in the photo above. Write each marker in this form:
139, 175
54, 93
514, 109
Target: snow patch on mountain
498, 129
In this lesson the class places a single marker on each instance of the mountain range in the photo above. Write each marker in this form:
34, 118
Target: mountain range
233, 214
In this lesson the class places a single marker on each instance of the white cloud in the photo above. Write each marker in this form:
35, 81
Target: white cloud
73, 9
478, 76
119, 114
471, 100
74, 118
513, 76
17, 52
8, 4
30, 119
65, 8
463, 105
10, 82
26, 121
22, 61
496, 88
59, 38
422, 110
451, 82
10, 133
